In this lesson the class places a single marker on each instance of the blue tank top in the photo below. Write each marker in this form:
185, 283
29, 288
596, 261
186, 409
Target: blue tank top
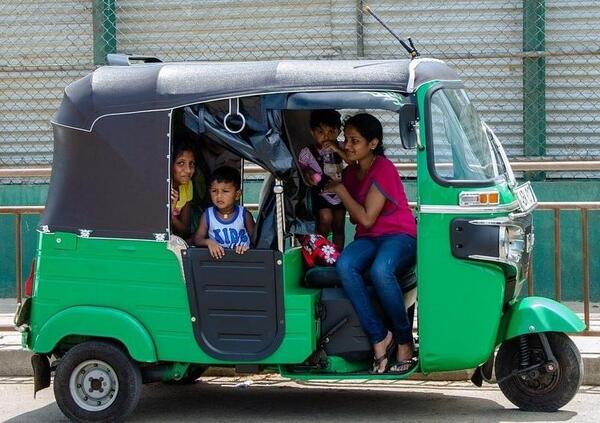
228, 233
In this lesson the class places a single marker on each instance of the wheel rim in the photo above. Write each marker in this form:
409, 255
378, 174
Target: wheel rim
94, 385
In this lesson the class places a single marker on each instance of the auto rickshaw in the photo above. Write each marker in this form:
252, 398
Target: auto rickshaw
116, 300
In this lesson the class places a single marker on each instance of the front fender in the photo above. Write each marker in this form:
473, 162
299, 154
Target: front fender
101, 322
537, 314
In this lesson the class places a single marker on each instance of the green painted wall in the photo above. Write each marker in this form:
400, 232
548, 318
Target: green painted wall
571, 257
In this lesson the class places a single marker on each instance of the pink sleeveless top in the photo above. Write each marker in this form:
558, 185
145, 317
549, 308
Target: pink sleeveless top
395, 217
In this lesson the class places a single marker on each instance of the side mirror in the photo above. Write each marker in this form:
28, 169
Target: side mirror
407, 120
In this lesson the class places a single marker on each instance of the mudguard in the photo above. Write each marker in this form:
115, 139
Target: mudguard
101, 322
535, 315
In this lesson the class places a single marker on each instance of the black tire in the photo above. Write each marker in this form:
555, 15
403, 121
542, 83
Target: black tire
111, 377
549, 391
192, 374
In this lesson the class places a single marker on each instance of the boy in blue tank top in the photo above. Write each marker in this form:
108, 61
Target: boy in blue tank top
225, 224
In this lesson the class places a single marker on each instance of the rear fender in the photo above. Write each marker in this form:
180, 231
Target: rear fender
98, 322
535, 315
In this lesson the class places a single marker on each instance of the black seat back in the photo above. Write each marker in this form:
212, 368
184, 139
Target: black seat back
327, 277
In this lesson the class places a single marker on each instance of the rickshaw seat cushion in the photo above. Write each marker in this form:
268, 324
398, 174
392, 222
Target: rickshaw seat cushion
327, 277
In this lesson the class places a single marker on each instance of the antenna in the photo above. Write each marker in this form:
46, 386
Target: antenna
410, 49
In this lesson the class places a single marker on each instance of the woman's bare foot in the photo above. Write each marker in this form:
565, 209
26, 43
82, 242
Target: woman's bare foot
381, 351
404, 359
405, 351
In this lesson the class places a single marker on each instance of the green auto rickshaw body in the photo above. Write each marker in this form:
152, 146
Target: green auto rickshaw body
108, 268
134, 292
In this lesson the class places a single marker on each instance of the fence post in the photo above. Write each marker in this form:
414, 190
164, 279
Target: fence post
105, 29
534, 82
360, 34
18, 258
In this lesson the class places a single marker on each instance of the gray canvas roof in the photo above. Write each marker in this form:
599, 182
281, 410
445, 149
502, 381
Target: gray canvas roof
152, 86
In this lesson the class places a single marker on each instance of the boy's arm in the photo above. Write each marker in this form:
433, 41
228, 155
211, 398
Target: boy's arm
249, 222
201, 235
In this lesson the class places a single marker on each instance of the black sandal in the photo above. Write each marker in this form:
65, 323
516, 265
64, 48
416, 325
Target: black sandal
403, 366
390, 351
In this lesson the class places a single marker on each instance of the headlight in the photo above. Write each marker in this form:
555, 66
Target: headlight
511, 241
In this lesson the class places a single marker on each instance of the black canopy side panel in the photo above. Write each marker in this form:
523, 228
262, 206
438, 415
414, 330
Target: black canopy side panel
113, 180
237, 302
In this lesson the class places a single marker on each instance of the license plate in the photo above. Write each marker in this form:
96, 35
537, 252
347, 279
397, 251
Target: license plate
526, 197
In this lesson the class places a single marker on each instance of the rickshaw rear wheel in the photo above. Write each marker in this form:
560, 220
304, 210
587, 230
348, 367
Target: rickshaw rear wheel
97, 381
542, 389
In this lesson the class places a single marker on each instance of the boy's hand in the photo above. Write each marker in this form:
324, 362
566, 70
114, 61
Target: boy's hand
216, 251
241, 249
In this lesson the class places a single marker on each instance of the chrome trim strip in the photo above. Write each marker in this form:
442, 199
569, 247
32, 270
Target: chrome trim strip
502, 208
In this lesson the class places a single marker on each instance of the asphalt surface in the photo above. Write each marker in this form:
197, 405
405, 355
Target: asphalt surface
274, 399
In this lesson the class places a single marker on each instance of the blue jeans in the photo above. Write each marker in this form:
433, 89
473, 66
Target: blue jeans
385, 255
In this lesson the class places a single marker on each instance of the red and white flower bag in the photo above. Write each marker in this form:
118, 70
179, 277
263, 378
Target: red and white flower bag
319, 251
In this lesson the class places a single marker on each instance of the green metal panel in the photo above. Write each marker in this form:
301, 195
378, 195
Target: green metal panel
537, 314
534, 82
144, 280
99, 322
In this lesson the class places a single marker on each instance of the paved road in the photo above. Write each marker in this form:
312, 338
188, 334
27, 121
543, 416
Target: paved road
273, 399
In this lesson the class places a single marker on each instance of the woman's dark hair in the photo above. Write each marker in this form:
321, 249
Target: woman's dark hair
369, 127
228, 175
327, 117
180, 147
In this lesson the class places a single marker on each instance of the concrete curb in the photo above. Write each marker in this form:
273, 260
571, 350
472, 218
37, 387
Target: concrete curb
15, 362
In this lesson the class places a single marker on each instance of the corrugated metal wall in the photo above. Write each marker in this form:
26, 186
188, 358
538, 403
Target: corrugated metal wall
46, 45
573, 82
43, 47
225, 30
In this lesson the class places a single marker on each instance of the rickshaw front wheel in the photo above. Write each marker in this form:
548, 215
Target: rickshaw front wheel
544, 387
97, 381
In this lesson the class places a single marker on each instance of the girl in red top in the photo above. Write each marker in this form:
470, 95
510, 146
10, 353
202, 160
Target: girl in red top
385, 242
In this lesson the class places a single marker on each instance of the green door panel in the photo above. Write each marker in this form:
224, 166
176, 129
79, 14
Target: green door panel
460, 301
98, 322
538, 314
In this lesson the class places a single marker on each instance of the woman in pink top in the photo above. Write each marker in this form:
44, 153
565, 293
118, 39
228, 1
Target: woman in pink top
385, 242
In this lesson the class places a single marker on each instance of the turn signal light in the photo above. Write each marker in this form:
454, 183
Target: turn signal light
478, 198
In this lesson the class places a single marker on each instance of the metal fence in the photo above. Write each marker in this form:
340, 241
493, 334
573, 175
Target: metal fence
584, 209
531, 66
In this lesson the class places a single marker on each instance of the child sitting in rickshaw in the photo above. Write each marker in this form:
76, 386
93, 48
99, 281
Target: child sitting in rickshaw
225, 224
321, 162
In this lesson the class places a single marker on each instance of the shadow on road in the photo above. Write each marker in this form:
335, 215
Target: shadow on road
290, 403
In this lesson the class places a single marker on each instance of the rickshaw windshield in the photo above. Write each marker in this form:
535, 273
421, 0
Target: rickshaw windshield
461, 150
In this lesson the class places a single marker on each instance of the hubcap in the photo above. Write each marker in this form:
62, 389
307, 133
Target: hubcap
543, 379
94, 385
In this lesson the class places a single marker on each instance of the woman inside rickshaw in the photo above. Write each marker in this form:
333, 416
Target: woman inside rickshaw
182, 191
385, 242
